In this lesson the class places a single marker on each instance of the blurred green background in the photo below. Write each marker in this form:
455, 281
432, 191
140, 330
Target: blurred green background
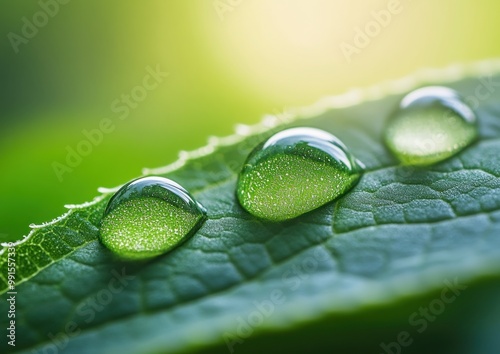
229, 61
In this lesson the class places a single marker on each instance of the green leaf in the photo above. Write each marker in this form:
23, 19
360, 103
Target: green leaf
400, 234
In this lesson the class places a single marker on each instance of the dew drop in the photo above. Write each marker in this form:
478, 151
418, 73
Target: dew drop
295, 171
431, 124
149, 216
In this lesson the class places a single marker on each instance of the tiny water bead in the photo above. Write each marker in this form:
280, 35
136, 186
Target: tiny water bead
295, 171
149, 216
431, 124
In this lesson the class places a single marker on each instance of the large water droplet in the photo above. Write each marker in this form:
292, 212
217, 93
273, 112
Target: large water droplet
296, 171
149, 216
431, 124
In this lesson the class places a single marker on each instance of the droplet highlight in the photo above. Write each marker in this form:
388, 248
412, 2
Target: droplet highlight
431, 124
148, 217
296, 171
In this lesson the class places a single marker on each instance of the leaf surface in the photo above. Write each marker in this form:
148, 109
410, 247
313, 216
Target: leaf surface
400, 232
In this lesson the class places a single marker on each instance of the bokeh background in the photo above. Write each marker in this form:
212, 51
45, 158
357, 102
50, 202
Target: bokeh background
229, 61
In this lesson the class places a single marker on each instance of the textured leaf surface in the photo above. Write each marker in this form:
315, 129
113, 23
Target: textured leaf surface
399, 233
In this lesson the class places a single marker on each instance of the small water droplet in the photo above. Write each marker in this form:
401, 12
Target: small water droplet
295, 171
431, 124
149, 216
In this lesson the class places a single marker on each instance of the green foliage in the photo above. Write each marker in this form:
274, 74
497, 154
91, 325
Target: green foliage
397, 237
